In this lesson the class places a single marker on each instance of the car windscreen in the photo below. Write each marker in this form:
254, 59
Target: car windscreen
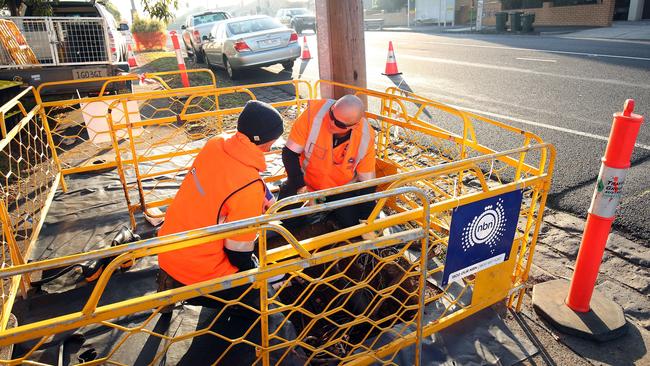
253, 25
208, 18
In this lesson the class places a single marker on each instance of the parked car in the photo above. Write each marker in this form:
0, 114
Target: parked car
126, 33
252, 41
80, 40
198, 25
297, 18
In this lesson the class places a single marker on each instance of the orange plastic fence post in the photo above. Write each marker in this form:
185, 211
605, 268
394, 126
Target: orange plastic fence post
607, 194
179, 58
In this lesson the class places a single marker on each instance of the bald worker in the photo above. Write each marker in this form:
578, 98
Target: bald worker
331, 144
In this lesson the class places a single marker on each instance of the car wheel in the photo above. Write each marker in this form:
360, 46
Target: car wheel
288, 65
298, 30
208, 63
199, 56
233, 74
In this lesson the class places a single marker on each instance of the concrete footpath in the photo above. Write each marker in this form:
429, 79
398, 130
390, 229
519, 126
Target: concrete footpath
626, 31
624, 277
631, 31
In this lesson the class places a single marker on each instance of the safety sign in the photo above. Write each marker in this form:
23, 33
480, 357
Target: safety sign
481, 235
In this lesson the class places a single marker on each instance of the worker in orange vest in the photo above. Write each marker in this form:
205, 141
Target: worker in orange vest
223, 185
331, 144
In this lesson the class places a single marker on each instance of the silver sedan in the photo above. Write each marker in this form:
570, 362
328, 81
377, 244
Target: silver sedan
252, 41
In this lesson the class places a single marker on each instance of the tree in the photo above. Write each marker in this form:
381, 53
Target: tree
161, 9
113, 10
38, 7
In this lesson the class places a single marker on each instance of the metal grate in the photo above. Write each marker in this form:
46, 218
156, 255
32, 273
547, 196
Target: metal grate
63, 41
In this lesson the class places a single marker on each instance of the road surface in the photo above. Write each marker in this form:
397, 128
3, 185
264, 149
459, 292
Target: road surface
564, 90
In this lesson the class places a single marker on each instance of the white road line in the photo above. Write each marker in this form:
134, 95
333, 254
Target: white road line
543, 51
544, 125
525, 71
535, 59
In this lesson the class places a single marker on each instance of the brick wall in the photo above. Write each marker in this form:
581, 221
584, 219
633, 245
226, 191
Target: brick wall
599, 15
462, 12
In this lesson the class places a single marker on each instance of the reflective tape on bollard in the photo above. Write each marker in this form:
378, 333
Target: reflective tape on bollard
607, 194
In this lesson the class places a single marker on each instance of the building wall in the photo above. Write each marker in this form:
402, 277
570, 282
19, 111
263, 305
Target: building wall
462, 12
598, 15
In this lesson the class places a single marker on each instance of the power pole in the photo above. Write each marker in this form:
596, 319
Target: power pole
341, 44
134, 13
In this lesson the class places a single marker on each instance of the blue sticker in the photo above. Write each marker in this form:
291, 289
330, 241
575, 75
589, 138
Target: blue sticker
481, 235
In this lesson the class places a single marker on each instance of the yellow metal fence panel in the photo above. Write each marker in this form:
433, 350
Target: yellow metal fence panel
28, 180
342, 299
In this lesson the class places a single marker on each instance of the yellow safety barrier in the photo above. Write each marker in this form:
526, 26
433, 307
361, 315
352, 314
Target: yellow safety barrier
28, 180
342, 299
171, 128
78, 124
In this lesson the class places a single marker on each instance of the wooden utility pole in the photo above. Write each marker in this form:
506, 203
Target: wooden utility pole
341, 44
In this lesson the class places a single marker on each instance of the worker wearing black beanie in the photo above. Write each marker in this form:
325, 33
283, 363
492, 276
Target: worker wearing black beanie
260, 122
222, 185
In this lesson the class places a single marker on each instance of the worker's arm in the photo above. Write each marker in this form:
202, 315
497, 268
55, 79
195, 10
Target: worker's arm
366, 167
240, 253
242, 205
291, 161
295, 146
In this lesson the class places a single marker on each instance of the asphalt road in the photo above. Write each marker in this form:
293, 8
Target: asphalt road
564, 90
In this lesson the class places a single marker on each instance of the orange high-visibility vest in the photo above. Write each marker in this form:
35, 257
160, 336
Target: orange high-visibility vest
222, 167
323, 165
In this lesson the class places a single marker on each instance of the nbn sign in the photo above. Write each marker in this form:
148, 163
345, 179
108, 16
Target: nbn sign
481, 235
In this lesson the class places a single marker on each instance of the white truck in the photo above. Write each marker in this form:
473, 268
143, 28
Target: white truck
80, 41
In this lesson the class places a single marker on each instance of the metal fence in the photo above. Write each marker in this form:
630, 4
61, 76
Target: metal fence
28, 180
79, 125
342, 299
63, 40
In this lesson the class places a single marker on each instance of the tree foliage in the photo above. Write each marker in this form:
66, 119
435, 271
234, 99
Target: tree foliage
142, 25
38, 7
161, 9
113, 10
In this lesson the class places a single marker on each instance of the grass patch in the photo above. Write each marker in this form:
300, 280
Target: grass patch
161, 61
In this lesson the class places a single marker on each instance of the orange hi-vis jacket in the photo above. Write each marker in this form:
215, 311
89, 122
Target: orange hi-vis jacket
323, 165
222, 167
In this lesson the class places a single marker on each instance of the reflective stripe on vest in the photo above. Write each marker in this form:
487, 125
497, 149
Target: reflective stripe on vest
314, 131
363, 145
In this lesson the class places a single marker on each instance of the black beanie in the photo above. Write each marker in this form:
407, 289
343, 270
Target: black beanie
260, 122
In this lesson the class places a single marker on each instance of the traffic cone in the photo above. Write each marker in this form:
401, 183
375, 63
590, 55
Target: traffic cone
391, 64
306, 55
132, 61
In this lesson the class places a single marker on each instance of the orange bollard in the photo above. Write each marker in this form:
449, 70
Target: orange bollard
179, 58
607, 195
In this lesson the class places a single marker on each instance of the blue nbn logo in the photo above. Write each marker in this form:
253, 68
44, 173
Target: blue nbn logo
481, 235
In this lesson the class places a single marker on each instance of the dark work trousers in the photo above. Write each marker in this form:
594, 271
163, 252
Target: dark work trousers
167, 282
345, 216
236, 321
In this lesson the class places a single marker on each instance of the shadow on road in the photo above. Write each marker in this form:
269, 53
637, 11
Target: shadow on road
401, 83
303, 67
